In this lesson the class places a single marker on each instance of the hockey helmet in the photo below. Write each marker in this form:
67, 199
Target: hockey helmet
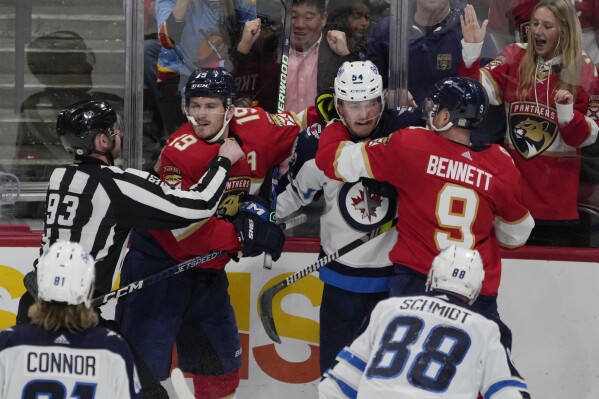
464, 98
457, 270
210, 82
77, 125
66, 274
358, 81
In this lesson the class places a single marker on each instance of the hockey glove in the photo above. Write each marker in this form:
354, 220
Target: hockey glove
379, 188
256, 234
325, 105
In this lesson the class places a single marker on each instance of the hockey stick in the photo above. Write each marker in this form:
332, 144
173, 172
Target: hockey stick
180, 268
268, 295
163, 275
284, 62
180, 385
273, 210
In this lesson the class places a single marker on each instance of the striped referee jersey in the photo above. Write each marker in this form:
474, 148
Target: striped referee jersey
97, 205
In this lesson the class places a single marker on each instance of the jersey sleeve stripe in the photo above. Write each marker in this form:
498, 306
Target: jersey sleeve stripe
351, 162
513, 234
352, 359
501, 385
347, 390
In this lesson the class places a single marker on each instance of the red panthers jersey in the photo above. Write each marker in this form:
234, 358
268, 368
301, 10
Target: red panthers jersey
546, 153
449, 193
267, 141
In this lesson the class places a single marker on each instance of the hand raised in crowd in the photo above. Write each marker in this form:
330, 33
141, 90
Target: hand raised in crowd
563, 96
251, 33
338, 42
231, 149
472, 31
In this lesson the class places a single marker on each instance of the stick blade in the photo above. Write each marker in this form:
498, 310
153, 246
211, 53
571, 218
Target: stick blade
266, 317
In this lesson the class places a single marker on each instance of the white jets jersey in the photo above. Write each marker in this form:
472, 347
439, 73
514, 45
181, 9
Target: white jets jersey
93, 364
350, 211
425, 347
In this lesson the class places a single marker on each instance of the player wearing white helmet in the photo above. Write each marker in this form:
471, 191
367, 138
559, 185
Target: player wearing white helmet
63, 352
430, 346
458, 271
355, 283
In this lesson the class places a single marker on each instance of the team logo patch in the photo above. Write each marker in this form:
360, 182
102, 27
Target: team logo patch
496, 62
283, 120
532, 128
364, 211
381, 140
236, 189
444, 61
171, 176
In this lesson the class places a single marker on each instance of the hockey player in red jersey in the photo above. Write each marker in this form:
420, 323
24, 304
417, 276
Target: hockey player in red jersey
544, 86
449, 192
193, 309
430, 346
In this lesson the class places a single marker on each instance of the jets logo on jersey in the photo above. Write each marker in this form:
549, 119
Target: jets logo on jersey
532, 128
362, 210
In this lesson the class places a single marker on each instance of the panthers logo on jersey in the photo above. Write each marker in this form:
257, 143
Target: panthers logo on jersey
235, 191
362, 210
532, 128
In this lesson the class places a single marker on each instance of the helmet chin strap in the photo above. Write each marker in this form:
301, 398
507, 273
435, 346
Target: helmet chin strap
226, 119
439, 129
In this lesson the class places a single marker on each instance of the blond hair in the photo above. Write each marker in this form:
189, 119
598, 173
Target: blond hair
569, 46
52, 317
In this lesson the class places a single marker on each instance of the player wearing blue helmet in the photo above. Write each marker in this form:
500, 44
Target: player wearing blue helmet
194, 311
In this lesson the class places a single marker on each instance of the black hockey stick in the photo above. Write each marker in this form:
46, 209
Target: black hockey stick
273, 211
163, 275
284, 62
180, 268
284, 55
268, 295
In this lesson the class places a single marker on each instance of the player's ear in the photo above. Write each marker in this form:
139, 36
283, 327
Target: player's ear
445, 116
101, 141
230, 111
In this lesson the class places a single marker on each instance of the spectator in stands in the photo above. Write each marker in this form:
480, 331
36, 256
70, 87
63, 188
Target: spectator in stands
257, 62
193, 34
353, 18
313, 58
509, 21
434, 53
544, 86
